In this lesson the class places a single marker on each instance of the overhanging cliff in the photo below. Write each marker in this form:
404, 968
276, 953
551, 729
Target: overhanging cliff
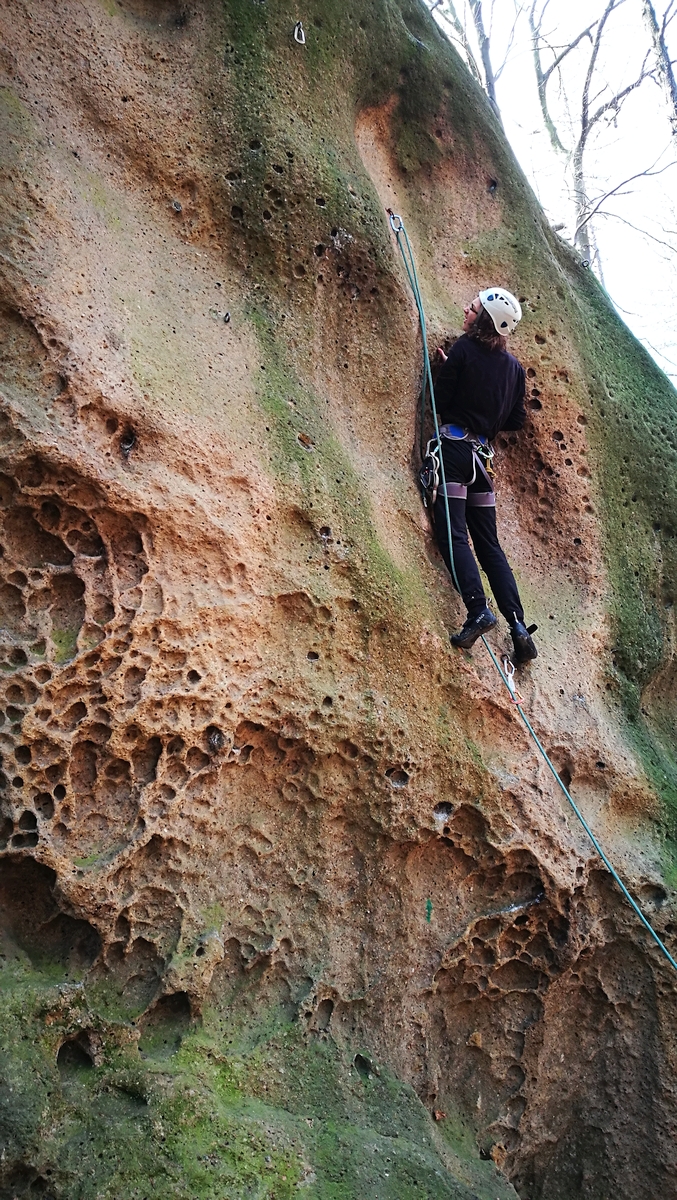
289, 906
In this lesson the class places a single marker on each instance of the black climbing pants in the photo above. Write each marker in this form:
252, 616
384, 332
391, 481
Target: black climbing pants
480, 522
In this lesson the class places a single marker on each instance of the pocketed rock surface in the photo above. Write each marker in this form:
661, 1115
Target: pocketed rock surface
290, 905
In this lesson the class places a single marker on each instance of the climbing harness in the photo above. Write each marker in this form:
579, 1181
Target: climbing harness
482, 449
507, 671
429, 474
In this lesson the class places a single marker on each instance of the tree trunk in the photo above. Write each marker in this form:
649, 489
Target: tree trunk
542, 83
485, 49
664, 71
582, 239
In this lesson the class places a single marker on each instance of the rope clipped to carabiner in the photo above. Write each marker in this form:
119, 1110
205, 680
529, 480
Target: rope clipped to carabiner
506, 672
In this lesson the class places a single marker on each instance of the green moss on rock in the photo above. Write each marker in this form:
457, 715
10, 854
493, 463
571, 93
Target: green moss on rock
90, 1111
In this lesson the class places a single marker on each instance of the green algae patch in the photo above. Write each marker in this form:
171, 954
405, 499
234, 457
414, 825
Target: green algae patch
65, 644
632, 413
90, 1111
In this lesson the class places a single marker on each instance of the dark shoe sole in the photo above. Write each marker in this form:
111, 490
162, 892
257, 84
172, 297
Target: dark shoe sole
465, 641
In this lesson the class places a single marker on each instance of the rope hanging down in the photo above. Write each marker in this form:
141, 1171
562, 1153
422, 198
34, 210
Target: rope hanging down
397, 226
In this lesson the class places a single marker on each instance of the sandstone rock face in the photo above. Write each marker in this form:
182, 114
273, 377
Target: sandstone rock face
289, 904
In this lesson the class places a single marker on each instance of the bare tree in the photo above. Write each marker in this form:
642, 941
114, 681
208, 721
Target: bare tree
489, 75
665, 74
447, 11
538, 42
604, 104
580, 97
485, 51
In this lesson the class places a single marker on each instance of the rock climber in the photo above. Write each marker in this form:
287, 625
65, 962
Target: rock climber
479, 391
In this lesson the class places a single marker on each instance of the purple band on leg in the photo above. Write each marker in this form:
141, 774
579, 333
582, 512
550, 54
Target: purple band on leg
482, 499
455, 491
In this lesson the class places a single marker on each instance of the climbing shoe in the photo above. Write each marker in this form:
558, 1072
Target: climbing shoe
474, 628
523, 642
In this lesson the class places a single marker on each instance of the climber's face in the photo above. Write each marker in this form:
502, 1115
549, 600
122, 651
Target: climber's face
472, 312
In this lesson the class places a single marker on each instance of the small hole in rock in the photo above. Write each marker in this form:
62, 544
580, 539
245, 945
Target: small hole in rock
215, 739
313, 655
397, 776
59, 792
194, 677
362, 1066
45, 805
73, 1057
127, 442
324, 1010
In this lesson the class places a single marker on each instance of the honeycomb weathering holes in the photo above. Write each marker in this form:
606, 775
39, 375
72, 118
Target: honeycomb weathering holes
62, 565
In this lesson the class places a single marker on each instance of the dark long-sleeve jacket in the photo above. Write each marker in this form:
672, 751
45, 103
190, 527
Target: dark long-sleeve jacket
481, 389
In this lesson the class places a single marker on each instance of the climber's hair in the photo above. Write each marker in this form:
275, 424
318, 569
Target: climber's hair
483, 330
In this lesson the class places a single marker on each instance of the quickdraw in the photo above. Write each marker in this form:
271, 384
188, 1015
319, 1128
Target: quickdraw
429, 474
509, 668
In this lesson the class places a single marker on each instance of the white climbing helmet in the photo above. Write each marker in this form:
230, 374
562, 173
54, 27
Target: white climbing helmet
503, 308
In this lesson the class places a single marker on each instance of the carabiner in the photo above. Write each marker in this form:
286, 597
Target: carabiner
509, 669
299, 33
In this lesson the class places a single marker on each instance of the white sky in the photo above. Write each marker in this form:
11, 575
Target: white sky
639, 273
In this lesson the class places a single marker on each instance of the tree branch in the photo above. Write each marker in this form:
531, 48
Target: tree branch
644, 232
617, 189
585, 98
560, 58
519, 9
616, 101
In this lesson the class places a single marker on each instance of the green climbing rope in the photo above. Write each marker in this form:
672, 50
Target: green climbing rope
398, 228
